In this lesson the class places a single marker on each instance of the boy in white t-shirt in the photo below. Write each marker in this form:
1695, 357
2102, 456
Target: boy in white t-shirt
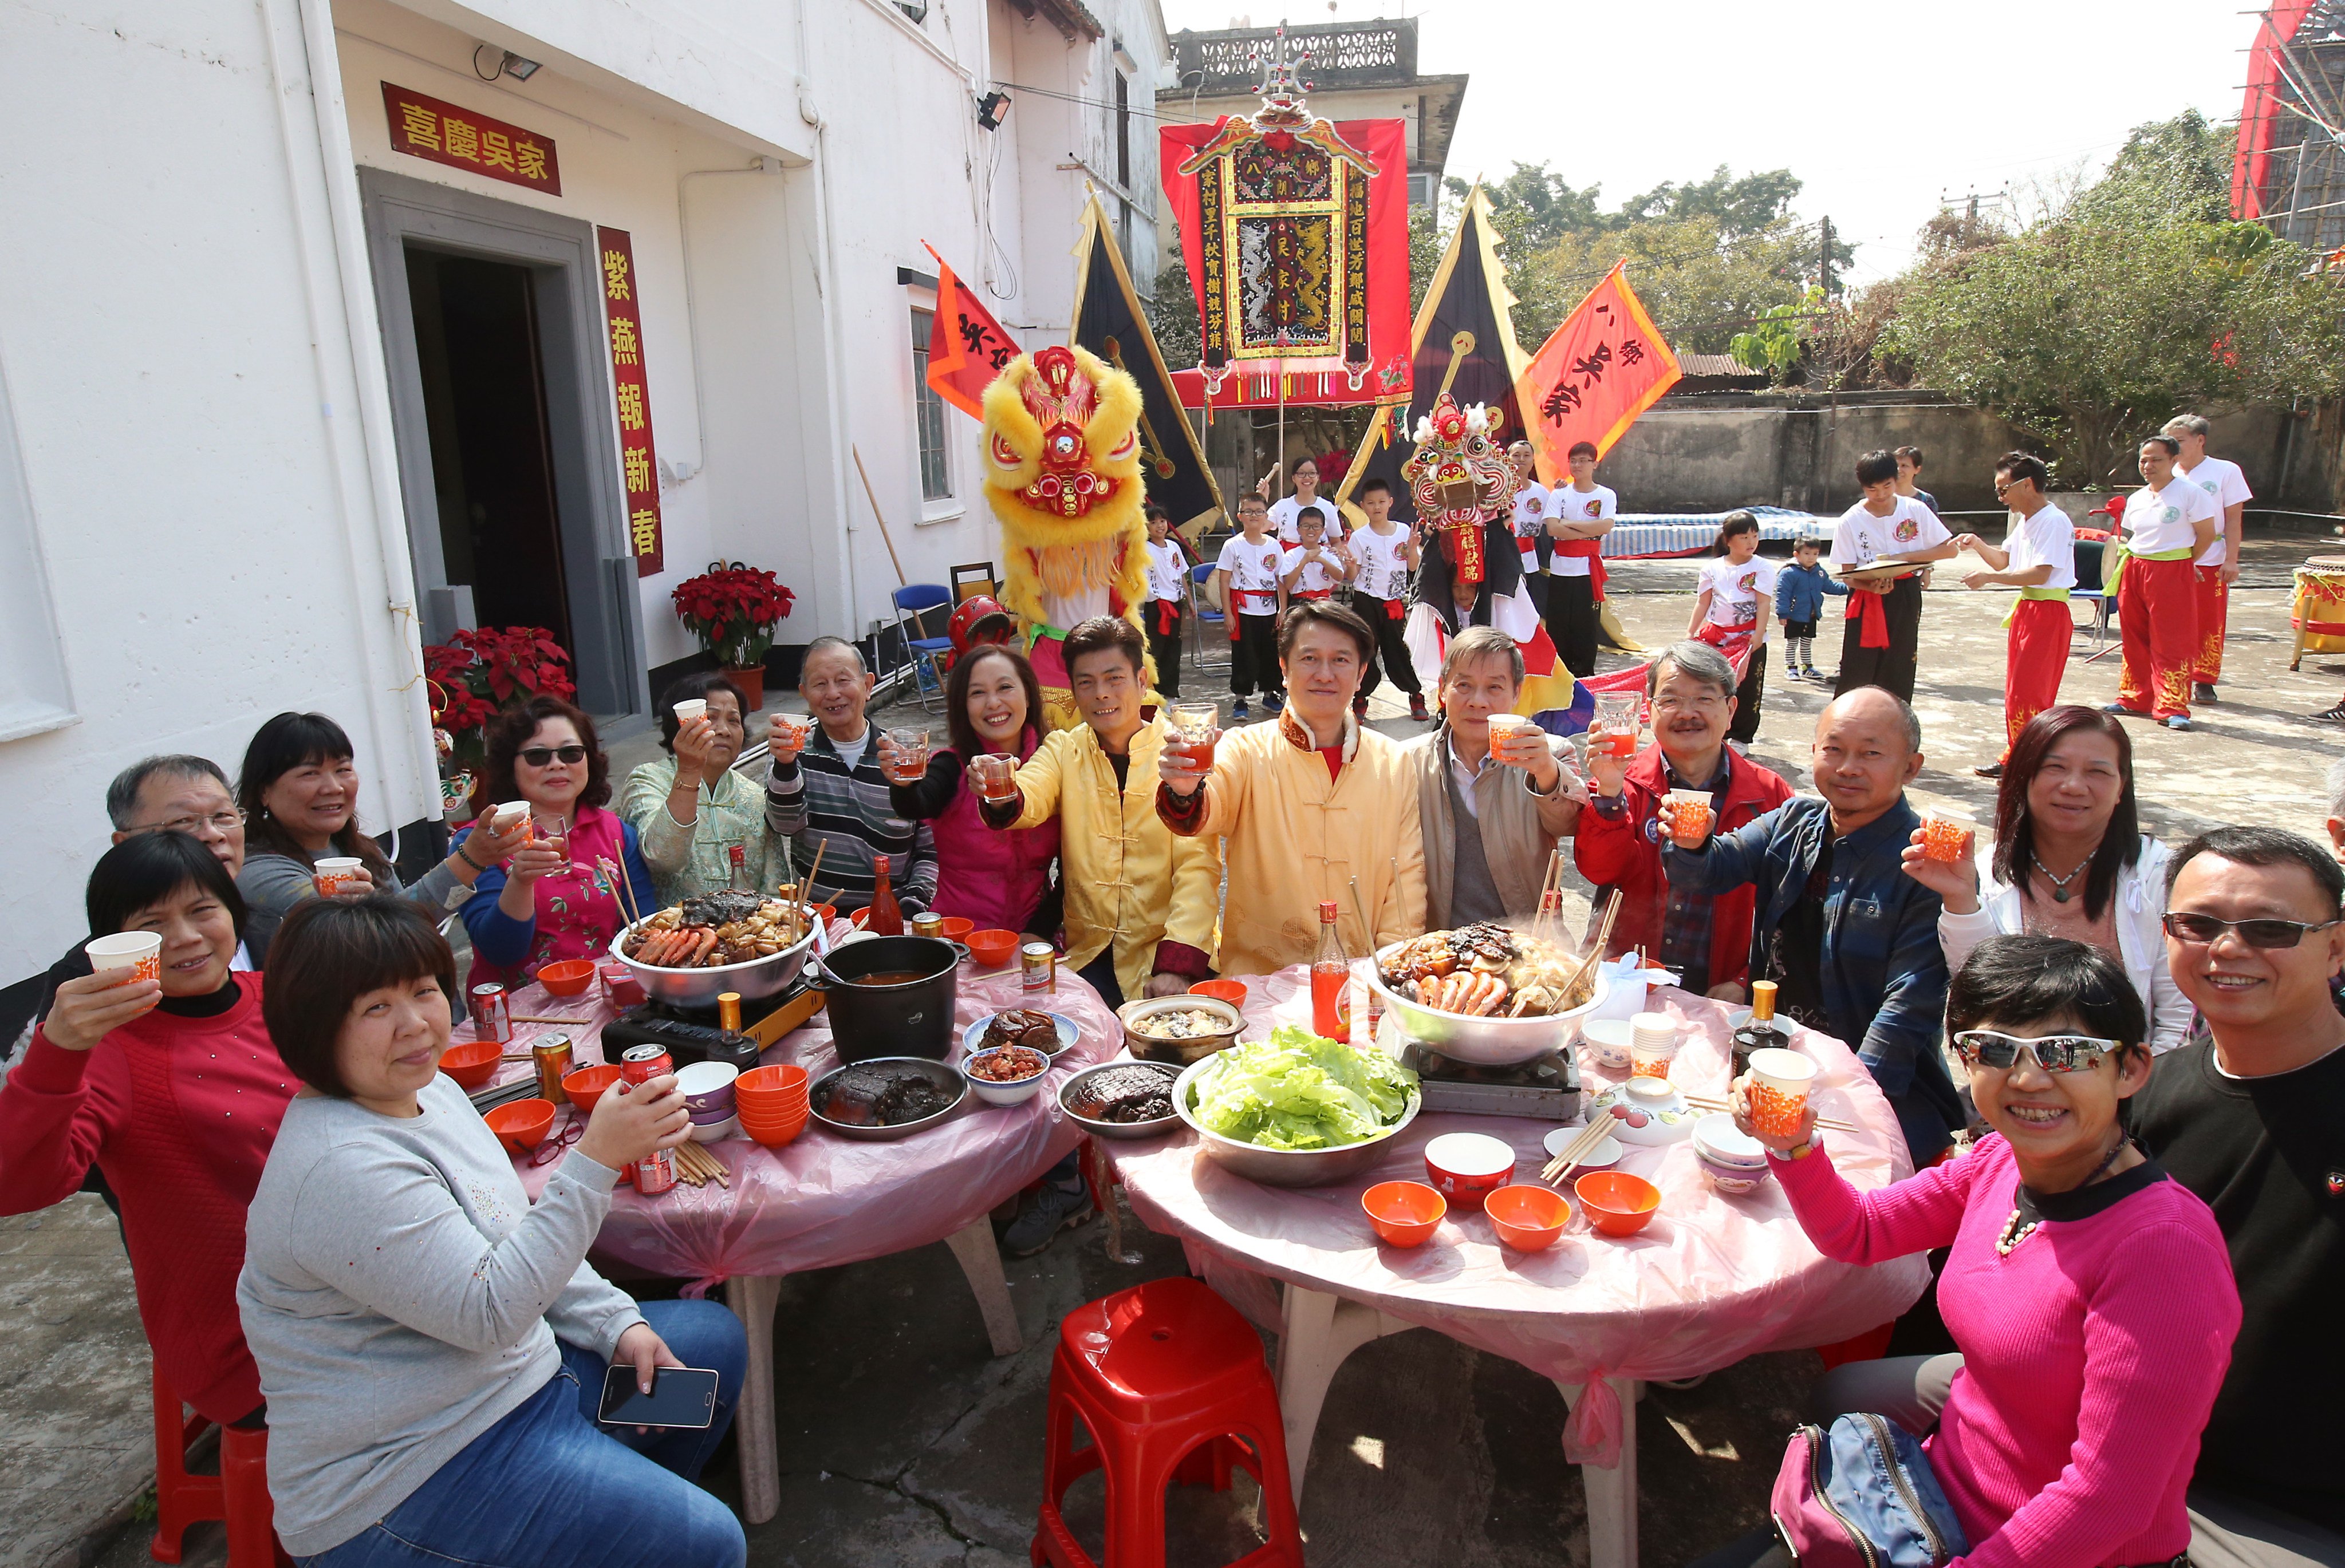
1735, 593
1580, 514
1530, 521
1882, 637
1387, 552
1313, 566
1248, 577
1168, 600
2219, 567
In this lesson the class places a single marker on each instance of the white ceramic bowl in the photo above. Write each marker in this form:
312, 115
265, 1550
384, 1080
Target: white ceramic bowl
991, 1093
1648, 1111
1603, 1157
1715, 1138
1608, 1042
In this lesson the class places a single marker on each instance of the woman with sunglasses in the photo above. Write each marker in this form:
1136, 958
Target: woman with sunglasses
2089, 1295
299, 790
556, 896
2069, 859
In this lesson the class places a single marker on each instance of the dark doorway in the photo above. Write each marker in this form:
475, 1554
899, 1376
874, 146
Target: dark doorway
476, 337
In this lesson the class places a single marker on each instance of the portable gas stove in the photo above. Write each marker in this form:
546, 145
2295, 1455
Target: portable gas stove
691, 1034
1543, 1089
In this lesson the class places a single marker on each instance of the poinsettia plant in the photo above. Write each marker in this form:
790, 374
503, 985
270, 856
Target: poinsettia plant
480, 669
734, 610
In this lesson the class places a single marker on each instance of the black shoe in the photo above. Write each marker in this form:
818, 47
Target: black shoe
1417, 708
1992, 771
1053, 1209
2204, 692
2335, 715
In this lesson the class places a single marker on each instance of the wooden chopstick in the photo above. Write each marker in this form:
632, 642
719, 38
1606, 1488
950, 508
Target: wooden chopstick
1714, 1102
1582, 1145
535, 1018
806, 888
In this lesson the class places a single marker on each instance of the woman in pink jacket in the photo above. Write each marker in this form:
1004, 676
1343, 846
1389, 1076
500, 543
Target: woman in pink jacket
1000, 880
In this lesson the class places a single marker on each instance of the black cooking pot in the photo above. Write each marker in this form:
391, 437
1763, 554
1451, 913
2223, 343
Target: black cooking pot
909, 1018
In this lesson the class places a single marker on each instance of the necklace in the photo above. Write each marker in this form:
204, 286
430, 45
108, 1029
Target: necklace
2013, 1232
2060, 884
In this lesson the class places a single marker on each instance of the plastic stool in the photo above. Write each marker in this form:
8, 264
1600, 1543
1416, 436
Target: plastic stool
1170, 1381
238, 1495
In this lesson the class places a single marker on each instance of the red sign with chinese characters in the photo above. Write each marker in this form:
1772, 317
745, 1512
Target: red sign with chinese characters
1594, 374
639, 466
429, 127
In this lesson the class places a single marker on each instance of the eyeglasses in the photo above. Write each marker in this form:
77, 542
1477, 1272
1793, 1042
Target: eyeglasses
2052, 1053
2203, 929
538, 756
227, 821
552, 1148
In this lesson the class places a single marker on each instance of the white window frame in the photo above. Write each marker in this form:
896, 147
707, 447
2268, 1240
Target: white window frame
35, 696
954, 503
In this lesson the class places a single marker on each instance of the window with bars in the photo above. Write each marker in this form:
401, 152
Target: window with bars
928, 416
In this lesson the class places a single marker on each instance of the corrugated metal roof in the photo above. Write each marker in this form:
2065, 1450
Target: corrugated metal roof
1715, 365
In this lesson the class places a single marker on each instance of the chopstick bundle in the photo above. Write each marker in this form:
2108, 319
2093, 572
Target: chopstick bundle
805, 889
1720, 1102
697, 1166
1581, 1146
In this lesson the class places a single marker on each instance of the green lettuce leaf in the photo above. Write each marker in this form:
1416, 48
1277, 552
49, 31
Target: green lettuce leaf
1298, 1091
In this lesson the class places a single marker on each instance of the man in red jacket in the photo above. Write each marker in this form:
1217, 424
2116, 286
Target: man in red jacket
1705, 940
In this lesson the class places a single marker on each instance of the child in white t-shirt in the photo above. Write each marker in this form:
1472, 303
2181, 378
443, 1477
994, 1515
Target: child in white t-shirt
1314, 567
1248, 579
1168, 600
1729, 606
1387, 552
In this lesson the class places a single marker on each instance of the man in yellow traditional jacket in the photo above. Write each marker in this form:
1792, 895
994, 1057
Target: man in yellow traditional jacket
1308, 803
1141, 903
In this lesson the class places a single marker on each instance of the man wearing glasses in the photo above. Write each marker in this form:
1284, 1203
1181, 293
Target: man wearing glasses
2251, 1117
2038, 557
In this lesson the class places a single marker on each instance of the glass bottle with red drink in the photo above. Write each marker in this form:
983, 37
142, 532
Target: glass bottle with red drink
883, 919
1331, 981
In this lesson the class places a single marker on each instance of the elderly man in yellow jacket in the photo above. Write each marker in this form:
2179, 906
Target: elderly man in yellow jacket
1307, 803
1140, 902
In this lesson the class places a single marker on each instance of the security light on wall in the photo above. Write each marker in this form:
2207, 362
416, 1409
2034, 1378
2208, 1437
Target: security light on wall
992, 107
489, 61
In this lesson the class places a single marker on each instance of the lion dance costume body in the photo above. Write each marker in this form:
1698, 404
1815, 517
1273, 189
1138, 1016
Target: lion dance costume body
1062, 472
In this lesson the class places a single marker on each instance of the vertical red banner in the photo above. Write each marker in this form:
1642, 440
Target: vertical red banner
638, 463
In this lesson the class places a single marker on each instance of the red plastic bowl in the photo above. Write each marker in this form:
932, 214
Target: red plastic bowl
1526, 1218
992, 949
520, 1125
585, 1086
570, 977
1618, 1203
956, 927
1233, 992
1467, 1167
1404, 1213
472, 1063
774, 1088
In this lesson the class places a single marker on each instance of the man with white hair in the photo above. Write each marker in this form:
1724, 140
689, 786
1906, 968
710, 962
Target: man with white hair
2218, 565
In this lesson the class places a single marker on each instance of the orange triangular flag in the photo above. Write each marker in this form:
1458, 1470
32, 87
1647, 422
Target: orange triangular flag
967, 347
1594, 375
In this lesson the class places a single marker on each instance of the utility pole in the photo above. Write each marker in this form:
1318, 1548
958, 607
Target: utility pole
1827, 263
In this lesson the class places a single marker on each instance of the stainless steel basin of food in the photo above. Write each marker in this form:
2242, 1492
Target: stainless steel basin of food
754, 981
948, 1079
1071, 1091
1282, 1167
1484, 1042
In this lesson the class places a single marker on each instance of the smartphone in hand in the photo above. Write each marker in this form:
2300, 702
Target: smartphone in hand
680, 1397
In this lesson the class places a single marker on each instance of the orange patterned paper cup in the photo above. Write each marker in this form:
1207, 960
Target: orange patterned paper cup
1686, 812
1944, 834
140, 952
1780, 1081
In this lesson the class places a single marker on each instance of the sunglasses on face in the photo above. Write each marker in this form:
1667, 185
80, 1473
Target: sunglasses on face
2201, 930
2052, 1053
539, 756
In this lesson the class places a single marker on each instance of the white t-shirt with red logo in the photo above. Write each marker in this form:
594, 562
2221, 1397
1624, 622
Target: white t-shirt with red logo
1255, 571
1859, 538
1568, 504
1383, 570
1167, 570
1315, 578
1530, 521
2220, 478
1287, 509
1737, 589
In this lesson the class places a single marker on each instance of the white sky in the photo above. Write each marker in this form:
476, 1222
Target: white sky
1877, 105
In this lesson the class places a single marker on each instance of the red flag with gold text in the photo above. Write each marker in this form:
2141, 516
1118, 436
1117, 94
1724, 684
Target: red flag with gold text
1594, 374
967, 347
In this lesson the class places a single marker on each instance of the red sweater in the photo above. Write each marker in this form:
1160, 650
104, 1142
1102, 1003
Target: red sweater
179, 1114
1623, 850
2091, 1353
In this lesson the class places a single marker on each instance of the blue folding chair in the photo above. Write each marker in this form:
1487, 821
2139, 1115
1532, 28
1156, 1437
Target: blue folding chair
2088, 570
1202, 615
922, 608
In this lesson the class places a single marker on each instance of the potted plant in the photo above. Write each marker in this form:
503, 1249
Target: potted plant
733, 609
469, 678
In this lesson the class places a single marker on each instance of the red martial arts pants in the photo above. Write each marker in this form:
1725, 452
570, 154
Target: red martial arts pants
2214, 609
2035, 656
2158, 616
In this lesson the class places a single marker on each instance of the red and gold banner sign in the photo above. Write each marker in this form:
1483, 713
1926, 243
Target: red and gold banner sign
638, 464
428, 128
1594, 374
967, 347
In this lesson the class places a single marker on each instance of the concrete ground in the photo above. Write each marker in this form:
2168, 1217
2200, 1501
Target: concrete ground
905, 1442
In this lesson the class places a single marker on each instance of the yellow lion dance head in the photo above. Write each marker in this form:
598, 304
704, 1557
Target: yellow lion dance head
1062, 472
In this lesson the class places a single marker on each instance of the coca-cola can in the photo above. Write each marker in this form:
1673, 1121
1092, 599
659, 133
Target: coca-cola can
655, 1173
641, 1064
492, 1019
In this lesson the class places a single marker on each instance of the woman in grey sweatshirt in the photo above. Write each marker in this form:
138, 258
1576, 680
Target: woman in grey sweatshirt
432, 1345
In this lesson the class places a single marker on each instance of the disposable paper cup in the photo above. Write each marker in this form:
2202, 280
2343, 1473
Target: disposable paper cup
1652, 1045
334, 873
1689, 812
1780, 1081
1943, 831
510, 815
139, 951
691, 708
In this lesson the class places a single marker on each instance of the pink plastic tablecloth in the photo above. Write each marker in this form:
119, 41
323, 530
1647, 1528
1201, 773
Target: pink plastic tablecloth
823, 1200
1712, 1280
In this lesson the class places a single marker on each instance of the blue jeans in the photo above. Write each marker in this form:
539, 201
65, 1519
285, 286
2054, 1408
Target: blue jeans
547, 1485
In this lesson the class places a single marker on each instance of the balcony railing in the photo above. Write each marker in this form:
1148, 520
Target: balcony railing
1343, 55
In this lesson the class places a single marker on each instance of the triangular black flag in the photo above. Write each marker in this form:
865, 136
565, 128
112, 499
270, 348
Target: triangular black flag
1108, 322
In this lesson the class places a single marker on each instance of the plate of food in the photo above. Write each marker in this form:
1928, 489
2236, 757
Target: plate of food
1049, 1033
1121, 1099
691, 953
1178, 1030
1297, 1109
886, 1097
1487, 993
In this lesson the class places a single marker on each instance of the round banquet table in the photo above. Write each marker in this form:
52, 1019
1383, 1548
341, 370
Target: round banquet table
1710, 1280
823, 1200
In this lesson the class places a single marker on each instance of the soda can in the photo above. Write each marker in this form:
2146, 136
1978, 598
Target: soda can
492, 1019
641, 1064
552, 1054
656, 1172
927, 925
1038, 967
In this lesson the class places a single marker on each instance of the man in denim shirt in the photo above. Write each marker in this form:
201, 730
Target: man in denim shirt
1850, 938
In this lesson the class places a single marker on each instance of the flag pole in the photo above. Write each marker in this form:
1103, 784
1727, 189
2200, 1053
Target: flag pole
870, 495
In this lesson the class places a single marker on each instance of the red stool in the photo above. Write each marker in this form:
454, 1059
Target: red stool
238, 1495
1170, 1381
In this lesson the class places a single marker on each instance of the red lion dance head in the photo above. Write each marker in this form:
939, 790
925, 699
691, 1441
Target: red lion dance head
1459, 479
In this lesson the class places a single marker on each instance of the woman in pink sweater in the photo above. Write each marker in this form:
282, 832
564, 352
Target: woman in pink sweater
2090, 1295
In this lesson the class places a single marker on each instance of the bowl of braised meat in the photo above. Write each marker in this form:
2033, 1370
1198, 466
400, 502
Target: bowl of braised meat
883, 1098
1121, 1099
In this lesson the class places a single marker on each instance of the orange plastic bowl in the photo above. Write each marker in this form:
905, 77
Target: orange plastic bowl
472, 1063
1404, 1213
993, 948
825, 913
1233, 992
956, 928
587, 1085
1526, 1218
568, 978
520, 1125
775, 1136
770, 1089
1618, 1203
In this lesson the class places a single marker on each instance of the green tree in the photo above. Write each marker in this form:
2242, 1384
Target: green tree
1171, 309
1701, 287
2169, 171
1743, 206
